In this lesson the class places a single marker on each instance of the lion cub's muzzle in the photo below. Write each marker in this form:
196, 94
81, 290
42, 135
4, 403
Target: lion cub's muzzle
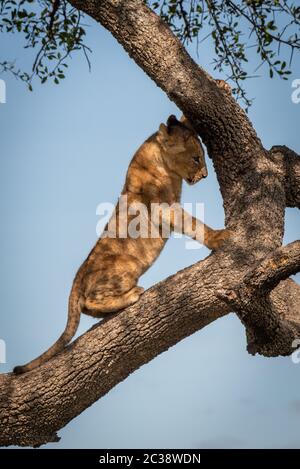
201, 174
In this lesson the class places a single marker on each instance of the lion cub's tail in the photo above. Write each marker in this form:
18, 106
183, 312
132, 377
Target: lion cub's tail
74, 311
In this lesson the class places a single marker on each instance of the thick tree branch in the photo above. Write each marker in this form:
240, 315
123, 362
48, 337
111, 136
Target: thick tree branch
65, 386
268, 333
291, 165
34, 406
279, 265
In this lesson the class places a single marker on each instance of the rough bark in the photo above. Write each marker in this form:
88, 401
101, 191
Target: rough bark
267, 332
291, 165
256, 188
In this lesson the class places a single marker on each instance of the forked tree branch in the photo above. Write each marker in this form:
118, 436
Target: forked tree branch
268, 333
265, 276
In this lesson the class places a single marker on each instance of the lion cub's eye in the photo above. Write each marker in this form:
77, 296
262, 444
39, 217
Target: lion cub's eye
196, 159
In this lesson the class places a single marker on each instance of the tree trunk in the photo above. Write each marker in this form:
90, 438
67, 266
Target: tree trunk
247, 276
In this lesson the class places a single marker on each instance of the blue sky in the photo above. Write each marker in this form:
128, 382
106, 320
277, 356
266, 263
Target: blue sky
64, 150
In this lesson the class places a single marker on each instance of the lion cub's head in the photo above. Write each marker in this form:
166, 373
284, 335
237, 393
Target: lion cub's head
182, 150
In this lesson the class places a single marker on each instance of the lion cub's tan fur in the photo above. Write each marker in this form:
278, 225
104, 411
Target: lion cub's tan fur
107, 280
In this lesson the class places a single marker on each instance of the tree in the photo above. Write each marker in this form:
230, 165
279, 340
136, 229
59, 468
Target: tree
249, 276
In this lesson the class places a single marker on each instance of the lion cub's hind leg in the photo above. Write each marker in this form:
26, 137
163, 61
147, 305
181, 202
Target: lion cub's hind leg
99, 305
114, 286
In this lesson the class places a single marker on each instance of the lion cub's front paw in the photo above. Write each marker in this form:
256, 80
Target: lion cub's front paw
217, 238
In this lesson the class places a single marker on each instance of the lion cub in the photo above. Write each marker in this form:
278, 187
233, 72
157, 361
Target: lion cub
107, 280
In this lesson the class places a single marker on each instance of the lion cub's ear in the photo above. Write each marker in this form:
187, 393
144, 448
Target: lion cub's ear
162, 134
172, 121
184, 120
